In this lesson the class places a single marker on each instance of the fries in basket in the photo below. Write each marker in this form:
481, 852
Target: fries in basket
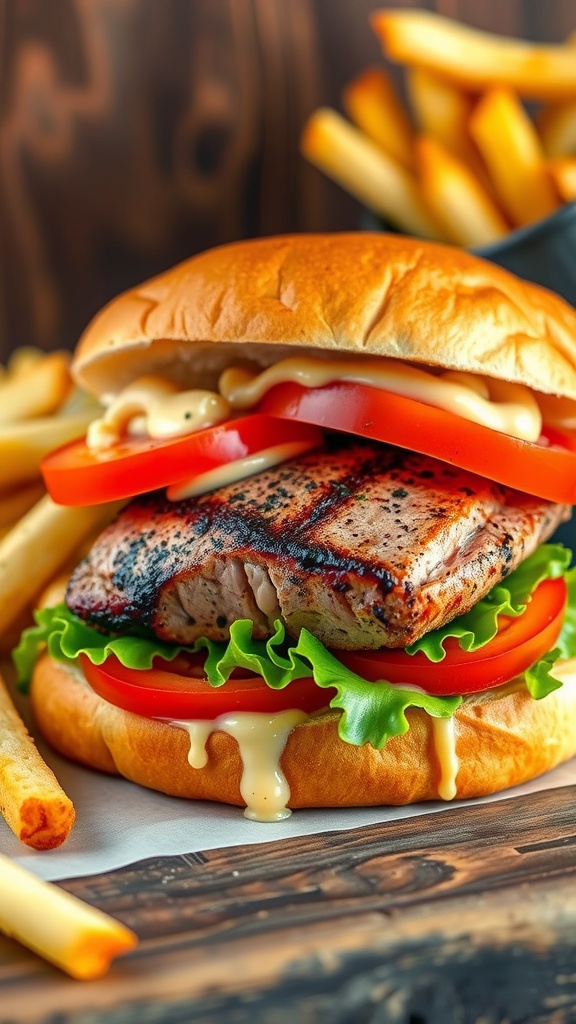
474, 163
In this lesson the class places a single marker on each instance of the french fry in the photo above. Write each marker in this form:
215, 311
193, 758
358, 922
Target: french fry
473, 59
509, 144
15, 502
557, 127
23, 358
456, 197
23, 445
442, 111
563, 173
78, 938
38, 391
32, 553
31, 799
372, 103
556, 122
360, 166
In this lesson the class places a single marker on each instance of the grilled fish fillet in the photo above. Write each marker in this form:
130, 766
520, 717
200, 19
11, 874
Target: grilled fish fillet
366, 546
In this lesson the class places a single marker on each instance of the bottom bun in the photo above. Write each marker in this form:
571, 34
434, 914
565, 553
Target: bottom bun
499, 742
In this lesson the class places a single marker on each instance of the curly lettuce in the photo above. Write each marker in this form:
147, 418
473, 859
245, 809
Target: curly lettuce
372, 712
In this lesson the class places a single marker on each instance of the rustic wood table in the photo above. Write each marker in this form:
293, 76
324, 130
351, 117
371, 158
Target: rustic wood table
465, 916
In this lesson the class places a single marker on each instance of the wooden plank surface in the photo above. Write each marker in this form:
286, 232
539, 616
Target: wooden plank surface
465, 916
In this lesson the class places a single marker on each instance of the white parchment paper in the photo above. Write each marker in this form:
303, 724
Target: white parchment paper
119, 823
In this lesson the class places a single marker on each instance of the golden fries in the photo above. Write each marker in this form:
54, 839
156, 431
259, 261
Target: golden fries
22, 445
31, 799
442, 111
512, 152
23, 358
376, 179
78, 938
32, 548
37, 390
556, 122
32, 553
557, 127
14, 503
478, 166
476, 60
372, 103
456, 197
563, 173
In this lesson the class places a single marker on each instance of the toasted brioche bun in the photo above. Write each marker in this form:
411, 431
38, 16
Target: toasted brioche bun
358, 293
499, 742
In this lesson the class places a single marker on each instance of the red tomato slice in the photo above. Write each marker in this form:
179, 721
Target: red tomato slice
546, 469
519, 643
75, 475
164, 693
178, 690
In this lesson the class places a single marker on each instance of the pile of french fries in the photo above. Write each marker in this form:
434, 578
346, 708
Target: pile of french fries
466, 163
39, 411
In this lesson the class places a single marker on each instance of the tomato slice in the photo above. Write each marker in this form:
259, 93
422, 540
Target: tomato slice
519, 643
179, 690
162, 692
546, 469
75, 475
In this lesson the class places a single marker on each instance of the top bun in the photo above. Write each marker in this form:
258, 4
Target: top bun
362, 293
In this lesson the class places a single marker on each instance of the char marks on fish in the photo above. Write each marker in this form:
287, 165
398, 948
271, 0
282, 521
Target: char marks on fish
366, 546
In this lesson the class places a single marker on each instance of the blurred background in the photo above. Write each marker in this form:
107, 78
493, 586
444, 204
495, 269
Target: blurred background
134, 133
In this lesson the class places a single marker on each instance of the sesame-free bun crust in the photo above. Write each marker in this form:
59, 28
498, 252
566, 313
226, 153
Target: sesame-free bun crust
499, 742
361, 293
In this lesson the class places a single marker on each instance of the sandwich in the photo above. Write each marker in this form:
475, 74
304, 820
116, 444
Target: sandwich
334, 581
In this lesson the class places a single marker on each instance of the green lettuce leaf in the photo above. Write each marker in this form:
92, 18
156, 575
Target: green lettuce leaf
372, 712
566, 643
539, 678
477, 627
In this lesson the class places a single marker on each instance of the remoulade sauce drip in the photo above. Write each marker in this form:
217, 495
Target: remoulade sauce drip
444, 739
444, 743
261, 739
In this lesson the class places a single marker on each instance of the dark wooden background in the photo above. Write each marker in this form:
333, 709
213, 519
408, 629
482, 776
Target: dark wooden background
136, 132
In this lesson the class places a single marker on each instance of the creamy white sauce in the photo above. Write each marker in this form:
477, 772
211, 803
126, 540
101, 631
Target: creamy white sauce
261, 739
444, 739
155, 407
444, 742
510, 408
230, 472
160, 409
